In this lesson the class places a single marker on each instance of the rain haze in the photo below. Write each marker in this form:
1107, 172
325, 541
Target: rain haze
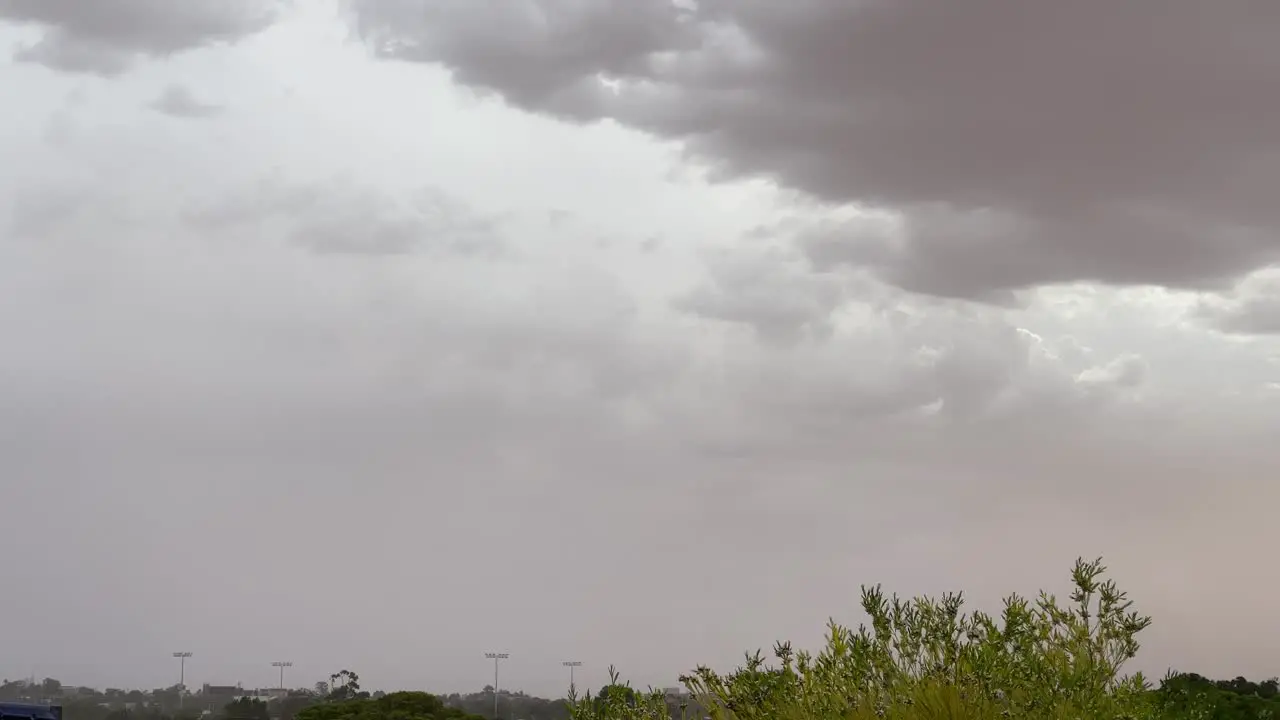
388, 333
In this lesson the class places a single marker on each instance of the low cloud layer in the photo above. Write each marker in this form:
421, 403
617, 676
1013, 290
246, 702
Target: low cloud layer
1018, 145
104, 38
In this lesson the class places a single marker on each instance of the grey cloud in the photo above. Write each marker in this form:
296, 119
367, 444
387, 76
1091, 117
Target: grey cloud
1041, 143
195, 395
37, 212
838, 355
1127, 371
343, 218
320, 408
538, 54
768, 293
557, 218
104, 38
982, 368
190, 390
60, 51
1250, 308
877, 391
177, 101
323, 344
1255, 316
845, 349
62, 127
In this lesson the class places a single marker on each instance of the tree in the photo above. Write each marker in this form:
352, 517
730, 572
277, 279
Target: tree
84, 708
13, 690
923, 658
1188, 695
394, 706
290, 705
345, 685
246, 709
615, 694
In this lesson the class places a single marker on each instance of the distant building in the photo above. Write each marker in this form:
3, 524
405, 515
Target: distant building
213, 698
263, 694
221, 690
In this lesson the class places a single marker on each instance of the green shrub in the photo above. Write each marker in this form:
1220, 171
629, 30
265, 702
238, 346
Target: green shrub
394, 706
923, 658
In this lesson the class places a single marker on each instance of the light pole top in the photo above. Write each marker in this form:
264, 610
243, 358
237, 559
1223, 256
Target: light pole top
182, 654
497, 656
572, 663
284, 663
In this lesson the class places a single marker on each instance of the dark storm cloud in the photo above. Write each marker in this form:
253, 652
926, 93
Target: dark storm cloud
531, 52
1021, 143
103, 38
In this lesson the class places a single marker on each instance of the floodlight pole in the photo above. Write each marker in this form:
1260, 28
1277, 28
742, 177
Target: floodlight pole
182, 676
496, 657
282, 665
571, 664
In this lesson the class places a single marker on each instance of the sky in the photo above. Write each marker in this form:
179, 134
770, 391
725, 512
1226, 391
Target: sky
381, 334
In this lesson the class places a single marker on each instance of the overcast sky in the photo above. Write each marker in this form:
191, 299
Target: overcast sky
382, 335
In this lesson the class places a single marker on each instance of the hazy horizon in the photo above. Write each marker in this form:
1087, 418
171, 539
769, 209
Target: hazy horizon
379, 334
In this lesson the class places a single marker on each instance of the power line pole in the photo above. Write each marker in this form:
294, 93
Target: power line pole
571, 664
496, 657
182, 676
282, 665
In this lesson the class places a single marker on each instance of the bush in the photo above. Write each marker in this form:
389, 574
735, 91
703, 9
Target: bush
394, 706
923, 659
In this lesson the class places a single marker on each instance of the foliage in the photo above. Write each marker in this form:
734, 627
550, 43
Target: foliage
1187, 695
923, 658
512, 704
345, 685
394, 706
288, 707
246, 708
619, 701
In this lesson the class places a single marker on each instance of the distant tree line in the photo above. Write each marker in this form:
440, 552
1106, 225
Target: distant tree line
1194, 696
338, 698
1180, 695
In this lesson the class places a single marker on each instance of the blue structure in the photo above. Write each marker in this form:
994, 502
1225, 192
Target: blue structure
24, 711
